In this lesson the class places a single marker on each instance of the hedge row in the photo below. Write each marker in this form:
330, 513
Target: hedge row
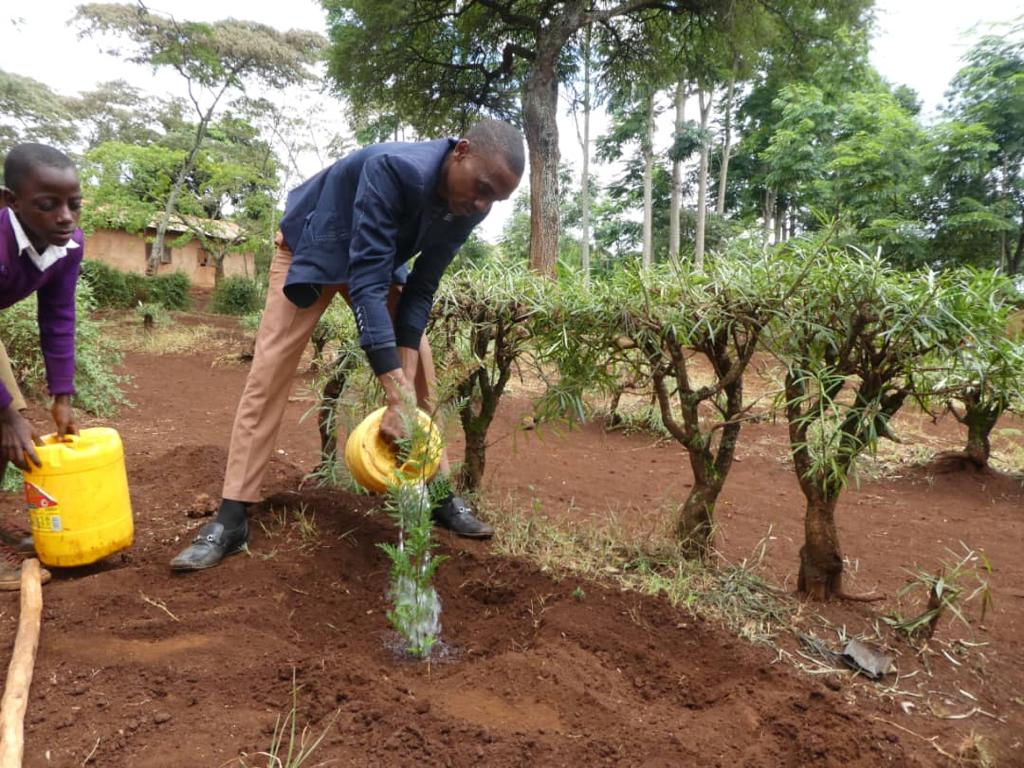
114, 289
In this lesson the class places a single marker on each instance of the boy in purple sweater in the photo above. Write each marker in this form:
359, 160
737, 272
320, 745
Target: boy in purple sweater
41, 250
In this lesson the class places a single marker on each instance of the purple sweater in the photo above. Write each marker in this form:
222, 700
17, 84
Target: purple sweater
19, 278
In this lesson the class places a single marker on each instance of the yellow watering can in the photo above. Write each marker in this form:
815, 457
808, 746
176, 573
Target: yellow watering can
374, 464
78, 501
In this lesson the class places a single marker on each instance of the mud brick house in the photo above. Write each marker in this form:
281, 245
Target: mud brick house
183, 250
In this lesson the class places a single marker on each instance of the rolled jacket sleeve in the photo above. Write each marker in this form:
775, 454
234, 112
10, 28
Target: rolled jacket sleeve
56, 318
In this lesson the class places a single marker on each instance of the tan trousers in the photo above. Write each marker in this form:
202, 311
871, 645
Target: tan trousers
284, 332
7, 377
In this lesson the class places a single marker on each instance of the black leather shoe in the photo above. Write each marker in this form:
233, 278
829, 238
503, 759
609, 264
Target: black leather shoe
457, 517
212, 544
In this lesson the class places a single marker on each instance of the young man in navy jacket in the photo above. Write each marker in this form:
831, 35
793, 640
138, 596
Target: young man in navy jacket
351, 229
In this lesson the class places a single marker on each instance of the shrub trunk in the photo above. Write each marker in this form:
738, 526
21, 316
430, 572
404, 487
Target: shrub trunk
980, 421
471, 474
695, 526
327, 415
821, 560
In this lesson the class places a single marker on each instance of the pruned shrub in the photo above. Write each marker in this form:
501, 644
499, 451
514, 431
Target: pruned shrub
169, 291
236, 295
481, 332
854, 344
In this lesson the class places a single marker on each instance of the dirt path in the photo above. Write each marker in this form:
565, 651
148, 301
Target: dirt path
141, 668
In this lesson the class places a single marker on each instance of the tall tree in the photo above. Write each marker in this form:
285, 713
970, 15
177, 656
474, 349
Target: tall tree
503, 57
585, 101
676, 198
640, 58
989, 90
226, 202
704, 101
967, 220
832, 57
31, 111
630, 139
723, 166
212, 60
117, 111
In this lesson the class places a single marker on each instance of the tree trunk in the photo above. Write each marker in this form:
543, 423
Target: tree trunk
179, 180
157, 252
218, 268
585, 180
1014, 266
675, 203
647, 148
704, 99
723, 171
540, 124
769, 210
780, 213
821, 561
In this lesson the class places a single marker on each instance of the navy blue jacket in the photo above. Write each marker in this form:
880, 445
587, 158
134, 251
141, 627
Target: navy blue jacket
358, 222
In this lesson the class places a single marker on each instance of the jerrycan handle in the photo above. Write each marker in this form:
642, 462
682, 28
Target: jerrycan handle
68, 439
53, 458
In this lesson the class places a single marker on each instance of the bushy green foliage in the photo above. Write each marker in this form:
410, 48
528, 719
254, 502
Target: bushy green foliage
98, 386
115, 289
236, 295
109, 286
169, 291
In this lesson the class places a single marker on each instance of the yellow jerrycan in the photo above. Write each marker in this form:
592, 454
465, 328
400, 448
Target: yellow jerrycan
374, 465
78, 499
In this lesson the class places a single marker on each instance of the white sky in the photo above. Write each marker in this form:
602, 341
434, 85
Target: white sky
919, 44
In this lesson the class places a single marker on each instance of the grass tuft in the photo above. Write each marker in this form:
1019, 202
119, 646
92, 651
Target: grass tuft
732, 594
290, 747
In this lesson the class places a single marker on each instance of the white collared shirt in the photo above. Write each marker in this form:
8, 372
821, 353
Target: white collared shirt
50, 255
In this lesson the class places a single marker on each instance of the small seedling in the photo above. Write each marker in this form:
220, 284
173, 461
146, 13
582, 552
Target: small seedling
416, 607
579, 595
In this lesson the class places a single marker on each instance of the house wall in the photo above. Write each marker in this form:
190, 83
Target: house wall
127, 252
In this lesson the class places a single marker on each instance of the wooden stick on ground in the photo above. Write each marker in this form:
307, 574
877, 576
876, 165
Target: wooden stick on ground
19, 673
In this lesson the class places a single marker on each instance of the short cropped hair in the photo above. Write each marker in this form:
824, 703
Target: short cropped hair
497, 136
24, 158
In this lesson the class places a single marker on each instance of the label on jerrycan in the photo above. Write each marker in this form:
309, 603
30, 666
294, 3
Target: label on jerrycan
43, 510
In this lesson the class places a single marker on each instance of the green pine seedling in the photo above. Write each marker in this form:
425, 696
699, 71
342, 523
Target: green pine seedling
416, 607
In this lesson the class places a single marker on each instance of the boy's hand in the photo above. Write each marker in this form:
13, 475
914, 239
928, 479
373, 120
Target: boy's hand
18, 440
64, 416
